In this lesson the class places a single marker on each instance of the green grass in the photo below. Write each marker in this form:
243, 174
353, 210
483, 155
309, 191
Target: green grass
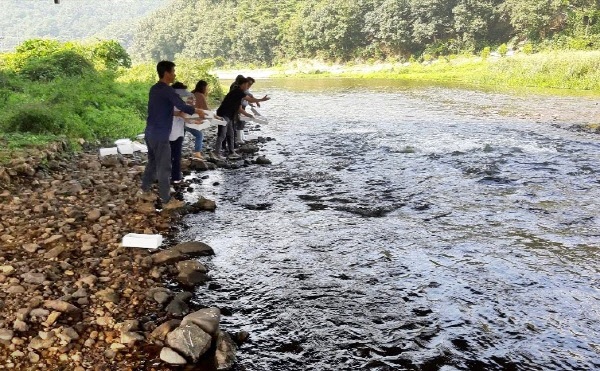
570, 70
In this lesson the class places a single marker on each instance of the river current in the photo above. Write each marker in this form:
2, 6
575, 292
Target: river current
410, 228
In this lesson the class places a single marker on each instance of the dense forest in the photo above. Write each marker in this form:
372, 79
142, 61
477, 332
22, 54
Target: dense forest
71, 20
270, 31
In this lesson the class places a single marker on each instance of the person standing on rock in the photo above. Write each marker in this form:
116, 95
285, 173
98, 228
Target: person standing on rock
161, 102
229, 108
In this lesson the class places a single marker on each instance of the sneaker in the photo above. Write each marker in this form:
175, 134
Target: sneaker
234, 156
147, 196
217, 156
173, 204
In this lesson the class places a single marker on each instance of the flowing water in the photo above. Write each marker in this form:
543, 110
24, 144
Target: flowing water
410, 228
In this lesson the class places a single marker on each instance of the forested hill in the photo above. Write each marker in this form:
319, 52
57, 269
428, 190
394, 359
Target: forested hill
281, 30
71, 19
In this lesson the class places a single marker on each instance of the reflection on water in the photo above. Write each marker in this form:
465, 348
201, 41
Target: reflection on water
409, 228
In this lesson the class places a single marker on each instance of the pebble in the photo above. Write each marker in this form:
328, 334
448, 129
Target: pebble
6, 334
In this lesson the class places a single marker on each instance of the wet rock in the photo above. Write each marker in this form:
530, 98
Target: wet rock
192, 278
204, 204
190, 266
35, 278
61, 306
190, 340
225, 353
161, 332
199, 165
262, 160
171, 357
177, 308
194, 249
207, 319
167, 256
249, 148
242, 337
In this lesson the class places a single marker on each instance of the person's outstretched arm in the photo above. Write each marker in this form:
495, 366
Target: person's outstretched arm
255, 100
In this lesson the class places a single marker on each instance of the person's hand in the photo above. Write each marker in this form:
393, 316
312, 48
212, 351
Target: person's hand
265, 98
200, 113
258, 104
218, 117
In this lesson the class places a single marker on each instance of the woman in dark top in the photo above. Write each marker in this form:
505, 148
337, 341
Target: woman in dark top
229, 108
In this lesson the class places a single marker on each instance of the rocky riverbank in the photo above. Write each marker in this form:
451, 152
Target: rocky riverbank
72, 298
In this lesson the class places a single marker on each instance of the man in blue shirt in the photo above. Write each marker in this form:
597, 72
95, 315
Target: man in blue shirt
161, 100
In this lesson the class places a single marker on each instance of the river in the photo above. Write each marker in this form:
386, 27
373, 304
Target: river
410, 227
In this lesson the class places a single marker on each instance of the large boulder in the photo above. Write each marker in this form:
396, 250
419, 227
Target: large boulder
189, 340
207, 319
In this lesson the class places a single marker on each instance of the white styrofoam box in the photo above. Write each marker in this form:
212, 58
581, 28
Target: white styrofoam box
145, 241
245, 118
255, 111
204, 125
139, 147
141, 136
108, 151
125, 149
260, 120
250, 137
209, 114
218, 122
122, 141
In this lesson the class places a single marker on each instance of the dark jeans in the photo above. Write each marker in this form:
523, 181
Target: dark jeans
158, 167
225, 135
176, 148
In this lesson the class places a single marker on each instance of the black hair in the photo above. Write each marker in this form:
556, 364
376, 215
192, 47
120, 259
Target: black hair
242, 81
200, 87
164, 66
179, 85
238, 78
252, 81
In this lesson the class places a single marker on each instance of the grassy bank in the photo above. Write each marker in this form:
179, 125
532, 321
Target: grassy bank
53, 91
573, 70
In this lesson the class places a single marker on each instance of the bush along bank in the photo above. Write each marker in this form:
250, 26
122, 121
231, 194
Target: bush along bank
72, 295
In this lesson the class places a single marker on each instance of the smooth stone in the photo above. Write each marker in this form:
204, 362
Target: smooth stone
131, 337
163, 330
194, 249
177, 308
108, 295
35, 278
38, 343
6, 334
61, 306
205, 204
190, 340
20, 326
167, 256
31, 247
39, 313
207, 319
225, 353
170, 356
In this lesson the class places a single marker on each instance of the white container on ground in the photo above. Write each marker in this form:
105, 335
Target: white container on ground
260, 120
255, 111
109, 151
144, 241
122, 141
125, 149
139, 147
218, 122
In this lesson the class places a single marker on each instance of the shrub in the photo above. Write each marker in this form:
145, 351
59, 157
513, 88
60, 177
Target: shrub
109, 54
37, 119
528, 49
503, 49
59, 64
485, 53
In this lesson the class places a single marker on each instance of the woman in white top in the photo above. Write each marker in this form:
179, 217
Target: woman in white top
177, 133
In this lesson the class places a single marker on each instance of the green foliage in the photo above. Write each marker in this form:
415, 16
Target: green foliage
61, 63
485, 53
502, 50
81, 91
528, 49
